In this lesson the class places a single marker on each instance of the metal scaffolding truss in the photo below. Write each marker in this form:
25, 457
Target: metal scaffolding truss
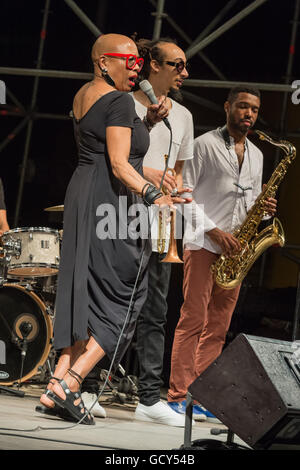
195, 47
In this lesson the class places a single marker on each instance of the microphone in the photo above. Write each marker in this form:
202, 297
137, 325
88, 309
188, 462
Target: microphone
25, 328
146, 87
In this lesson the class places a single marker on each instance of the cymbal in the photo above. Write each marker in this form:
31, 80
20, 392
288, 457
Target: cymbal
55, 208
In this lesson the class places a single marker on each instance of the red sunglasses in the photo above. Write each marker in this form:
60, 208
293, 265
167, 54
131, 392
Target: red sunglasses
131, 60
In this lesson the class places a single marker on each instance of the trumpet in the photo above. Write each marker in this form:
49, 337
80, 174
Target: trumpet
162, 218
172, 253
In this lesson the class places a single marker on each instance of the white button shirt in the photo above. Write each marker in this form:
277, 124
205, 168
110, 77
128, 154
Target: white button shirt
222, 190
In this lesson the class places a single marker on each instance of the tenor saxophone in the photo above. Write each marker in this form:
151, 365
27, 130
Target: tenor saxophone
229, 271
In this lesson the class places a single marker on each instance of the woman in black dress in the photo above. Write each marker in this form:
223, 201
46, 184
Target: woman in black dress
97, 276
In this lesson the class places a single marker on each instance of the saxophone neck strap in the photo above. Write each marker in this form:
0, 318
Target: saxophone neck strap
226, 136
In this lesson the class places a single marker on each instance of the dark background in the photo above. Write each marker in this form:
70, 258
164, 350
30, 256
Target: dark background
255, 50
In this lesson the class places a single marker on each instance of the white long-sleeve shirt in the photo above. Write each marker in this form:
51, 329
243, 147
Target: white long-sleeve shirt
224, 192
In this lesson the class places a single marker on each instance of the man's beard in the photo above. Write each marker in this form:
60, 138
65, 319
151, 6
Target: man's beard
176, 95
238, 126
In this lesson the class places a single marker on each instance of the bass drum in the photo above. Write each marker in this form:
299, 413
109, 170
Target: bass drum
19, 307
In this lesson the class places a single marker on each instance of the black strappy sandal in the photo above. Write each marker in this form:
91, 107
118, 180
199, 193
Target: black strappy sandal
55, 410
76, 411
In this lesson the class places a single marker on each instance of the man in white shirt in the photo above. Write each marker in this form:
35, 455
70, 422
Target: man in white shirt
225, 176
165, 69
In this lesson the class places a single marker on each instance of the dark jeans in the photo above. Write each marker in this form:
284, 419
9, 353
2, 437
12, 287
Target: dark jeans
150, 331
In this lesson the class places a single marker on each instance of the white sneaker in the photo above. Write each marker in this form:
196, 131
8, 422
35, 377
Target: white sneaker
89, 399
160, 413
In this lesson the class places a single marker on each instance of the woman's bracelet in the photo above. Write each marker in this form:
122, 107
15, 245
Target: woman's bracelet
148, 124
145, 185
151, 194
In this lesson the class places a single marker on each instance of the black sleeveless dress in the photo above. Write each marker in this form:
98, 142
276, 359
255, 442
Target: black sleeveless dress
97, 276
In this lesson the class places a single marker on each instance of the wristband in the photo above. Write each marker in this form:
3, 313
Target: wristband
151, 194
145, 185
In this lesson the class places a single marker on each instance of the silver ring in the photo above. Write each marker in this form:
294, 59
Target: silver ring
174, 192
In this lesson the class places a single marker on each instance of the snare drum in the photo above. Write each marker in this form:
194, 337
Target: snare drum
38, 254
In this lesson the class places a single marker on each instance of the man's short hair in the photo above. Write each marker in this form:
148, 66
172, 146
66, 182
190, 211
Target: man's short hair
241, 89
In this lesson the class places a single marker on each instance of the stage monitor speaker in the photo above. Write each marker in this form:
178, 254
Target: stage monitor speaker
254, 389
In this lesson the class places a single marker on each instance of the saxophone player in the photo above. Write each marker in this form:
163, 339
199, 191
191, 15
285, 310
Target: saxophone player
226, 177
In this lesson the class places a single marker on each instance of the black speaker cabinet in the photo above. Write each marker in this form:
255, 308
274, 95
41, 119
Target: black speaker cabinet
254, 389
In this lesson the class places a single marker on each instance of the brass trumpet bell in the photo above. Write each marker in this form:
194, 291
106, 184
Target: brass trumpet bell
55, 208
172, 254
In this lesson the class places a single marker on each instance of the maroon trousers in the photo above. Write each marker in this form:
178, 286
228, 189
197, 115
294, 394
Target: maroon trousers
205, 318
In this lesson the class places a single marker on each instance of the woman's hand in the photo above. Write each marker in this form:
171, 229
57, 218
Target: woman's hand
164, 201
167, 200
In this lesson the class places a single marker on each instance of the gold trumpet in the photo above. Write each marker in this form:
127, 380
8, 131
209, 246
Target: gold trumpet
172, 253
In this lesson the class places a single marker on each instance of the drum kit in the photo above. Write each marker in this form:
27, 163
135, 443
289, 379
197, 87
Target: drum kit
29, 265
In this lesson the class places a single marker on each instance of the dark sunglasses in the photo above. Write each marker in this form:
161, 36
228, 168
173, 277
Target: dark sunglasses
131, 60
180, 65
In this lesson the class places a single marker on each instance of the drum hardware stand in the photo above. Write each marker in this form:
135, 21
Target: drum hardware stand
5, 261
206, 444
126, 388
47, 370
29, 287
49, 310
50, 369
3, 388
25, 329
11, 391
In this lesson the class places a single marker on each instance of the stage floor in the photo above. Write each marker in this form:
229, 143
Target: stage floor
21, 428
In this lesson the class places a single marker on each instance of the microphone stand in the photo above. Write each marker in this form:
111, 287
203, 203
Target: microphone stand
25, 328
12, 391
